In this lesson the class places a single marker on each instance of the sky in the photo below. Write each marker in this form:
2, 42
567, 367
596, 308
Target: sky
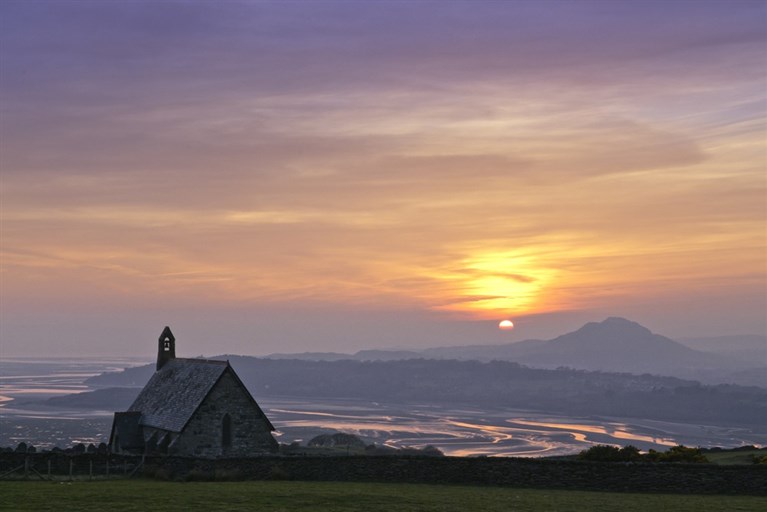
296, 176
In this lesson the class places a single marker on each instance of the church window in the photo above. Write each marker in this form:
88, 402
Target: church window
226, 431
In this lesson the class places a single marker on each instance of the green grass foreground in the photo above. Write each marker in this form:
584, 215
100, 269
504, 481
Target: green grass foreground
146, 495
730, 457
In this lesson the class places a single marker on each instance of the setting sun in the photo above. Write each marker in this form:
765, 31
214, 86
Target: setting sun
506, 325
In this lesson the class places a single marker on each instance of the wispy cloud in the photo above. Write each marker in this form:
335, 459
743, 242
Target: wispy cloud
479, 158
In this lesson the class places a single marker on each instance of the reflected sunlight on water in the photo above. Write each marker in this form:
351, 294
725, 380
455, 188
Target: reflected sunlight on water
615, 430
498, 432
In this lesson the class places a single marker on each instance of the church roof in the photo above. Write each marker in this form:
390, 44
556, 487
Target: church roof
176, 390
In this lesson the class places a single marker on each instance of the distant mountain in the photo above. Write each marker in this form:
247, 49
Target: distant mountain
614, 345
312, 356
386, 355
751, 348
504, 352
362, 355
620, 345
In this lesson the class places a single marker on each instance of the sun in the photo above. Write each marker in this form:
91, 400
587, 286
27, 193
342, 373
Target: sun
506, 325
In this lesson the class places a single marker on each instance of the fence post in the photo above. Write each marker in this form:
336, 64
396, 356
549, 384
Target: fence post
26, 466
71, 467
90, 469
49, 469
107, 466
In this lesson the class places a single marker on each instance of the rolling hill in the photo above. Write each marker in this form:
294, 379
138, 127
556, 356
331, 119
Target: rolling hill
481, 384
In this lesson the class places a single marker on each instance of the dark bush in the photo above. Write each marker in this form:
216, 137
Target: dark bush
600, 453
339, 439
679, 453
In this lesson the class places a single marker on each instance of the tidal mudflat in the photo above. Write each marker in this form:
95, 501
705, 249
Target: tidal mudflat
455, 429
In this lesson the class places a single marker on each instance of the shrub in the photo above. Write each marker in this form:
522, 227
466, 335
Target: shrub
375, 450
679, 453
339, 439
607, 453
432, 451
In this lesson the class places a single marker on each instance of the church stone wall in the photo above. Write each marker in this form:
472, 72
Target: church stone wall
203, 435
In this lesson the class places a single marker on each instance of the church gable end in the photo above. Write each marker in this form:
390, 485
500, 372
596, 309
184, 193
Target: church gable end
227, 423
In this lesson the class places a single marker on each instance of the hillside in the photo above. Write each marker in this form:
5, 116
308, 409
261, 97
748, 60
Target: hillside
751, 348
490, 384
615, 344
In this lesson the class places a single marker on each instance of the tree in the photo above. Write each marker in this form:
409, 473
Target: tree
679, 453
601, 452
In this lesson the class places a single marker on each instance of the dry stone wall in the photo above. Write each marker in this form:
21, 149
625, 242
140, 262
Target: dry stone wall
510, 472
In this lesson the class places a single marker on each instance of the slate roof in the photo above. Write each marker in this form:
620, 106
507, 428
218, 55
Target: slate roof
176, 390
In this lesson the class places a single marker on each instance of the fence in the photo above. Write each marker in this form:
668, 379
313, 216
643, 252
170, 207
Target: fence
56, 466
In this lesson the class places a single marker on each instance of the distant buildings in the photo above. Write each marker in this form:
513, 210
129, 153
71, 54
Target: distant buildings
192, 407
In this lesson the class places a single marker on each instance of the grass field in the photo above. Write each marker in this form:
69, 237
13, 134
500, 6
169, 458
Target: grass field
728, 457
149, 496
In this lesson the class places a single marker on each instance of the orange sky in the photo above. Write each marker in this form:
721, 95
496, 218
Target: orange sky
305, 164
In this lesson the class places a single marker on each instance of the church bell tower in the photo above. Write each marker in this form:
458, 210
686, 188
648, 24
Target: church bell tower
166, 347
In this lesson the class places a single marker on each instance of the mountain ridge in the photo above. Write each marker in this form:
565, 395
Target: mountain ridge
614, 345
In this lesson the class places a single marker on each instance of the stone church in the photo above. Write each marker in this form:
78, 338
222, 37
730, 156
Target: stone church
192, 407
